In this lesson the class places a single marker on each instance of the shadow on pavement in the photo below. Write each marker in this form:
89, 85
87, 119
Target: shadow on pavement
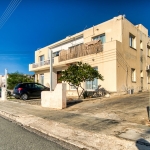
73, 102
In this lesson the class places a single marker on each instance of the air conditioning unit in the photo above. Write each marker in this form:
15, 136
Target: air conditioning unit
148, 67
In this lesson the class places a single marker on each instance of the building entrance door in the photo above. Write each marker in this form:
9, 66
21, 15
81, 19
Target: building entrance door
58, 76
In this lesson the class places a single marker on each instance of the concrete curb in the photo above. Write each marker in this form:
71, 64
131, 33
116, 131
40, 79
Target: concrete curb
74, 136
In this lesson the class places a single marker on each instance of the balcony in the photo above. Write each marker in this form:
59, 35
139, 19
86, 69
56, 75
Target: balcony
87, 52
39, 66
41, 63
80, 50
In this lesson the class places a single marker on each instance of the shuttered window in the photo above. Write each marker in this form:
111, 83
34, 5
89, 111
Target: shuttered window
133, 75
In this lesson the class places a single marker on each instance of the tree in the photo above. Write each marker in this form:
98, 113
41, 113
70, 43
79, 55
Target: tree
15, 78
78, 73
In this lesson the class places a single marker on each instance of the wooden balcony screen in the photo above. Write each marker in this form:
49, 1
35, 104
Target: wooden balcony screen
81, 50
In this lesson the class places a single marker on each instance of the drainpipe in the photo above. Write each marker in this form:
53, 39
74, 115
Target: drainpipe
51, 68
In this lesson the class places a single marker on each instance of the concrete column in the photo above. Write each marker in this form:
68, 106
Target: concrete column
3, 94
51, 69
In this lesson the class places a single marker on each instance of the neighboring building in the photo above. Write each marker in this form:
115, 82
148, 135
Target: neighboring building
2, 78
123, 58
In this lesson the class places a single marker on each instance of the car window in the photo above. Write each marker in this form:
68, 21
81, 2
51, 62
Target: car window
39, 86
30, 85
18, 86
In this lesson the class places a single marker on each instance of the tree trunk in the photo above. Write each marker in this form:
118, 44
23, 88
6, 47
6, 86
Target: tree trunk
78, 93
82, 91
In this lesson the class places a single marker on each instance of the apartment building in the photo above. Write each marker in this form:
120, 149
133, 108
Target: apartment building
119, 50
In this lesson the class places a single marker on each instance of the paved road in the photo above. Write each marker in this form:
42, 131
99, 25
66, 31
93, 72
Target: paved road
14, 137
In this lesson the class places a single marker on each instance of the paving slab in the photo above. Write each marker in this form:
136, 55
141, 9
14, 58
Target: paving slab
93, 124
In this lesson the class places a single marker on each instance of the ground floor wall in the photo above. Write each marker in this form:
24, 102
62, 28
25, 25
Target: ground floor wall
105, 63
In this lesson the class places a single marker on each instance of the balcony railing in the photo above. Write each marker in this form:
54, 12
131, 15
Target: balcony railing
81, 50
41, 63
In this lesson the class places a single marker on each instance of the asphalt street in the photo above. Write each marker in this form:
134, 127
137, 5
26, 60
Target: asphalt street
14, 137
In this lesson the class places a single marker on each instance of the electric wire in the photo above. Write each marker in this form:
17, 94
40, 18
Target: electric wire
7, 9
7, 16
8, 12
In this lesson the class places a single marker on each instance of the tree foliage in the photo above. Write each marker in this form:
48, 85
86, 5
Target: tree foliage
15, 78
78, 73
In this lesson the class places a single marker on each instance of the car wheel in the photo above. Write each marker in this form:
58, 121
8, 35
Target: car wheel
24, 96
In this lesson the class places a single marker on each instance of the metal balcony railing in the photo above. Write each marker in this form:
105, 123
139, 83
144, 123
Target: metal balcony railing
41, 63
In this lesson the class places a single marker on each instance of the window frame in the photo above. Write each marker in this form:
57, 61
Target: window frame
141, 44
100, 35
72, 87
42, 75
41, 56
132, 41
133, 75
95, 80
148, 76
41, 61
148, 51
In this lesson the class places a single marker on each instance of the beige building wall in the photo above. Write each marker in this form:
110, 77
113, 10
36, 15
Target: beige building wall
40, 52
114, 63
111, 28
128, 58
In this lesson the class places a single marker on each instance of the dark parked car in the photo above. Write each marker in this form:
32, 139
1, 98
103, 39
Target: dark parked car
25, 91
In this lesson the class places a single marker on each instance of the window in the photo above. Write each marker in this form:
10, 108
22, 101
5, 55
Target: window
41, 59
133, 75
141, 73
148, 51
148, 76
76, 46
72, 87
55, 54
100, 37
58, 76
141, 45
42, 78
92, 84
132, 41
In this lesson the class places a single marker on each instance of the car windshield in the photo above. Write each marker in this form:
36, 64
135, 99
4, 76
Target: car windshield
39, 86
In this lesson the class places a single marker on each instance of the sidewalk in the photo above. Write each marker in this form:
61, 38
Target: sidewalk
87, 124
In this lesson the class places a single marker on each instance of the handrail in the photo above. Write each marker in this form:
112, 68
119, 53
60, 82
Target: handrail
41, 63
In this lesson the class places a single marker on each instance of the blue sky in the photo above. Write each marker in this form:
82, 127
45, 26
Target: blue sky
38, 23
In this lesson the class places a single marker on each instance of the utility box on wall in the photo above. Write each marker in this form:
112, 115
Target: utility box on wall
131, 91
